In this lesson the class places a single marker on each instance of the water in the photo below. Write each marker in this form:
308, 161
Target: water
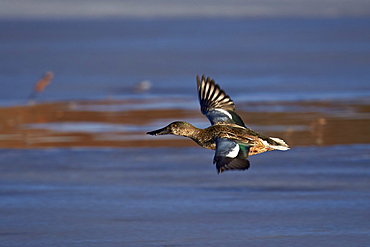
77, 169
115, 197
253, 59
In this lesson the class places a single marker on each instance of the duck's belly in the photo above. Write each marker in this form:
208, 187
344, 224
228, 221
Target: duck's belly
210, 144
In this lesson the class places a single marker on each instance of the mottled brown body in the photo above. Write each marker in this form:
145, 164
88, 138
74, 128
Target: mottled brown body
257, 142
228, 136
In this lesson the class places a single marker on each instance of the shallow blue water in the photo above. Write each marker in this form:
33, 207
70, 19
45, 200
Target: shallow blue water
166, 196
253, 59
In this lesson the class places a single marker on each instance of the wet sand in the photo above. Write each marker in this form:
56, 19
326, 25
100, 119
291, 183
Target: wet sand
100, 124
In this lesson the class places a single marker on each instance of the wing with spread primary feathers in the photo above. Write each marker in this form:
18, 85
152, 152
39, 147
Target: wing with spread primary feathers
215, 104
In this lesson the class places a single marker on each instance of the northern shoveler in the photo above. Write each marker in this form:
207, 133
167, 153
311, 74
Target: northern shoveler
228, 135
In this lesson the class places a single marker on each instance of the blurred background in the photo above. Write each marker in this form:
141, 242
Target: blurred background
110, 62
82, 82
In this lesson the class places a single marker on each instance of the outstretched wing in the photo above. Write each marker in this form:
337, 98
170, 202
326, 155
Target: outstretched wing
215, 104
230, 155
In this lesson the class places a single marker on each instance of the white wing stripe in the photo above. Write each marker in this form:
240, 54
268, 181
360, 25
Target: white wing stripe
224, 112
233, 153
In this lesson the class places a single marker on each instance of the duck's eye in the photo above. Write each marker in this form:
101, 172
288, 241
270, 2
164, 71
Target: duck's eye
174, 125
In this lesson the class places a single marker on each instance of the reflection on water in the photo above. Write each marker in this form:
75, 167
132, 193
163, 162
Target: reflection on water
317, 130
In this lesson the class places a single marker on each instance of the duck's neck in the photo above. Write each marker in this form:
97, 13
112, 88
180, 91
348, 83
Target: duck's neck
192, 133
201, 138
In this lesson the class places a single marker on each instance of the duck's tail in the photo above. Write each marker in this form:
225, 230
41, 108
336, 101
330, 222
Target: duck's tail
281, 145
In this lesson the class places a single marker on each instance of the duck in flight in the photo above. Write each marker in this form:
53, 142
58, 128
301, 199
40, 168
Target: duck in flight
228, 135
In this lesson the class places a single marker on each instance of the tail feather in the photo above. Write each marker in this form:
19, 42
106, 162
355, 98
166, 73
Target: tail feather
283, 146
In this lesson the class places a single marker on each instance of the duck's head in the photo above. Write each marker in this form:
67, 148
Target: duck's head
175, 128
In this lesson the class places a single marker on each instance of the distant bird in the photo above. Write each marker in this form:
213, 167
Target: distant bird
41, 84
142, 86
228, 135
